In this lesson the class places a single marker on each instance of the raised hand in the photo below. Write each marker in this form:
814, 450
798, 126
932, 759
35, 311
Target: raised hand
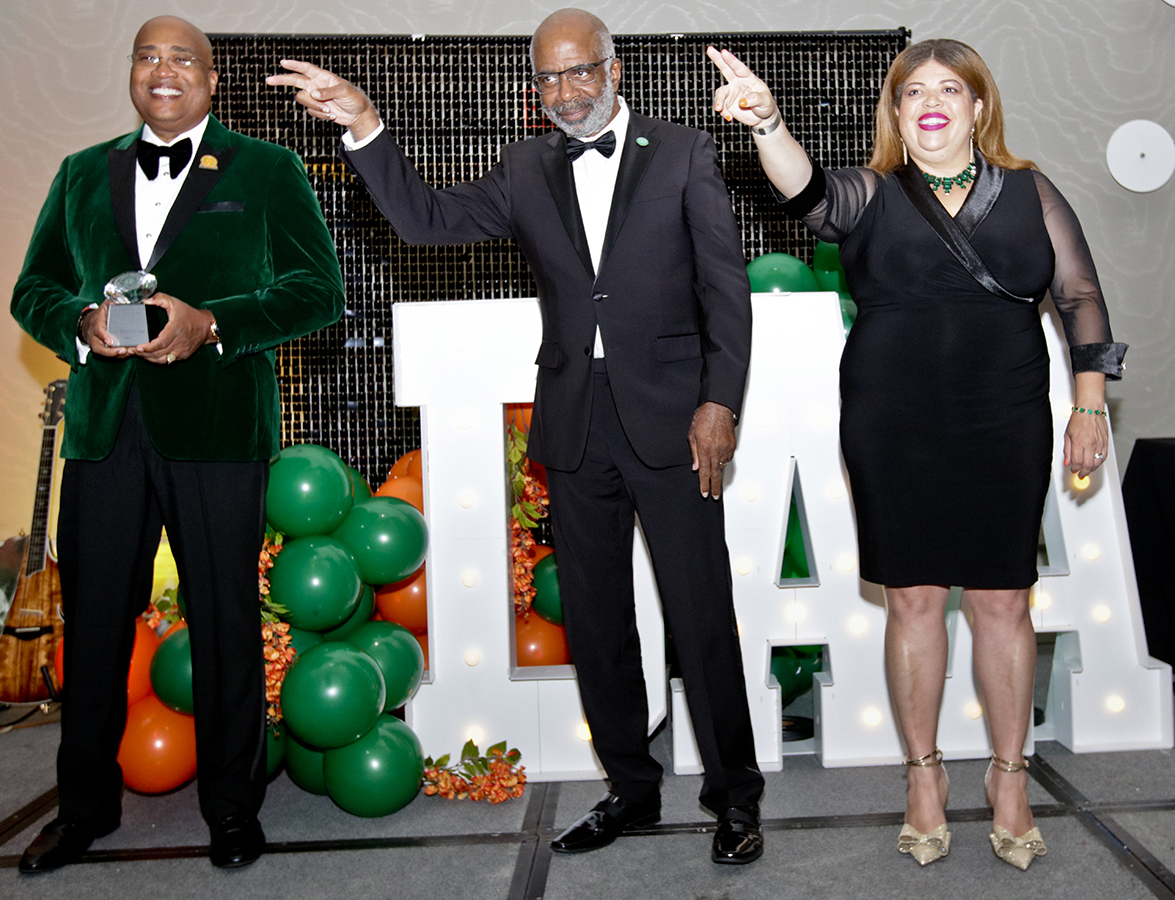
744, 96
327, 96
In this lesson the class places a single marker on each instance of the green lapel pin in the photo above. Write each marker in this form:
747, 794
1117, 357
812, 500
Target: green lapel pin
642, 142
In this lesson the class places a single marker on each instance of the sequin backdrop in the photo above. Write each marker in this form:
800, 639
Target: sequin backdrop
452, 103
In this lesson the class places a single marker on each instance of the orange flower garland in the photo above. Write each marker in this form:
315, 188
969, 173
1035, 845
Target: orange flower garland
279, 655
495, 777
528, 505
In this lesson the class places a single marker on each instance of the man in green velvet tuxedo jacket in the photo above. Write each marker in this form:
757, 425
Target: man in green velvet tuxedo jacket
177, 431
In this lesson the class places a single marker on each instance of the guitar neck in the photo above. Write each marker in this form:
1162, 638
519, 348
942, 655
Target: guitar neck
38, 546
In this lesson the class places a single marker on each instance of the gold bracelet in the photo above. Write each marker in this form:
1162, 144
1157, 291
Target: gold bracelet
1092, 412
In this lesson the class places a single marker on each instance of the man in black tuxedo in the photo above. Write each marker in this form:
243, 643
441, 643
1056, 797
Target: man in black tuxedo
629, 233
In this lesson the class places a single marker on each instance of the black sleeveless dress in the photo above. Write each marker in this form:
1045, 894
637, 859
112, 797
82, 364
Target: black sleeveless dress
945, 427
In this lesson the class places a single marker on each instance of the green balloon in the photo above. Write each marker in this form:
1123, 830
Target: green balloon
793, 668
386, 536
360, 488
546, 590
309, 491
379, 773
362, 614
180, 601
398, 655
826, 258
305, 766
275, 750
171, 671
302, 640
316, 580
780, 272
332, 695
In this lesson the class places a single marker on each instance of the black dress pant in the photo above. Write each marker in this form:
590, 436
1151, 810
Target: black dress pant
109, 530
592, 512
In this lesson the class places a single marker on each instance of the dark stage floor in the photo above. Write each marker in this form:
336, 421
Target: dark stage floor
1108, 818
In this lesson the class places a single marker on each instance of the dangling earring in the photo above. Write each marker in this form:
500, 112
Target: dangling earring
905, 155
971, 148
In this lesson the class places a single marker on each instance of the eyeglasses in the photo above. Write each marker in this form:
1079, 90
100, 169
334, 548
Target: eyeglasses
150, 61
579, 76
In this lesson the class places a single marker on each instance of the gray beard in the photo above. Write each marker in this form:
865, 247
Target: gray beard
599, 116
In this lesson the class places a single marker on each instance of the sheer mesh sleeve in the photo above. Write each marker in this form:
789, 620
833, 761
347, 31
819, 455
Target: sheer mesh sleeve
1075, 289
833, 201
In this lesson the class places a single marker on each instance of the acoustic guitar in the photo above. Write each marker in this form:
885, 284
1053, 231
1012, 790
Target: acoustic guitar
34, 623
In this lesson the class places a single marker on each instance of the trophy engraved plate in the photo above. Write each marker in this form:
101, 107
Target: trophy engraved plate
126, 317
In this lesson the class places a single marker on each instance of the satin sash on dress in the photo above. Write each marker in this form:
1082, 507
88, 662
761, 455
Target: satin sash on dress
985, 190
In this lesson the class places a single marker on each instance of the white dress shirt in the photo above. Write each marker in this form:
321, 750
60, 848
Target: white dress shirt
153, 202
154, 198
595, 182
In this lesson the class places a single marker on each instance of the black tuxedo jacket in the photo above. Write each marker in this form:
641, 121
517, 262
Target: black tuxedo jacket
671, 298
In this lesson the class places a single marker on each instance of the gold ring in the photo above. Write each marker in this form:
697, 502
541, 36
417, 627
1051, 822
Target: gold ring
722, 465
171, 357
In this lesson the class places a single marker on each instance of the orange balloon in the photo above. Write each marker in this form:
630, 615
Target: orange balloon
541, 643
59, 664
408, 464
518, 415
540, 551
422, 639
138, 680
406, 488
158, 749
405, 602
172, 628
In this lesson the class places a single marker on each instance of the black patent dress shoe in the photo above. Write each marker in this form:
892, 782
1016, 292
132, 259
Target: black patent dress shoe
739, 839
62, 842
236, 841
605, 822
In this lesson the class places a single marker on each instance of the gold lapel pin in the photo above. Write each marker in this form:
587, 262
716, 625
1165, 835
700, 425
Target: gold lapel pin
208, 161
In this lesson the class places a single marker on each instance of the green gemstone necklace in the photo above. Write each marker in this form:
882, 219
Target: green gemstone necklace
963, 179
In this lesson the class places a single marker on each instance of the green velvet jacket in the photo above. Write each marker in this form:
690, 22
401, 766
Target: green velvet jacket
245, 239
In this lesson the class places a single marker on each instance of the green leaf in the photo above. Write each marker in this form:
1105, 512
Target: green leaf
442, 761
500, 747
428, 762
513, 756
469, 750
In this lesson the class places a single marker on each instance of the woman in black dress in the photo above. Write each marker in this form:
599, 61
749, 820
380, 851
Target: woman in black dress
946, 428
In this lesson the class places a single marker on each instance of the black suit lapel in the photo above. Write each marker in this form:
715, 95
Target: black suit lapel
120, 165
633, 164
557, 170
200, 181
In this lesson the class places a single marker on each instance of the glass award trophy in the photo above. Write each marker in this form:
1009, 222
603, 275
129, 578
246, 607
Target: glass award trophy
126, 317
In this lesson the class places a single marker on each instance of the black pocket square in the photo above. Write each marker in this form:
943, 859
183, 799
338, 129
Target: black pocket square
223, 206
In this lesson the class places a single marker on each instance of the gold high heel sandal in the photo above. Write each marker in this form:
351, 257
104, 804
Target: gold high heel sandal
1015, 851
925, 848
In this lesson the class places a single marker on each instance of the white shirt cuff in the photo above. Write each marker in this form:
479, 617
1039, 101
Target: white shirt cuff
351, 144
83, 349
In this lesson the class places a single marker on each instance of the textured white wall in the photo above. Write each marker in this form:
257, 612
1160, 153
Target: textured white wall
1070, 71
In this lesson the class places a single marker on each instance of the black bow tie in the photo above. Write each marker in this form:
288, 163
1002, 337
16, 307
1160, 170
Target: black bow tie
150, 154
606, 145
